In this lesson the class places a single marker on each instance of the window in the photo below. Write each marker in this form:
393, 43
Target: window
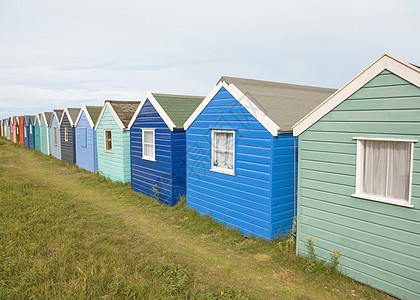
66, 134
24, 131
108, 140
148, 144
30, 128
223, 151
55, 136
83, 137
384, 170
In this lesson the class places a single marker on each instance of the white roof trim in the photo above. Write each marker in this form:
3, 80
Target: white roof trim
113, 113
39, 120
159, 109
84, 109
258, 114
45, 120
386, 61
68, 117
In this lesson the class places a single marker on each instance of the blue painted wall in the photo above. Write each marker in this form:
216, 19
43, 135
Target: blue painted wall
116, 165
258, 198
55, 148
86, 151
168, 172
28, 127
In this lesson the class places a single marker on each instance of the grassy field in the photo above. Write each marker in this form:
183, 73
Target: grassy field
70, 234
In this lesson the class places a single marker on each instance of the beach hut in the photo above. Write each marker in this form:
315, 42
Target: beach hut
158, 157
359, 177
241, 154
86, 151
54, 129
45, 132
2, 126
21, 134
37, 132
17, 131
8, 129
113, 139
68, 143
28, 131
13, 129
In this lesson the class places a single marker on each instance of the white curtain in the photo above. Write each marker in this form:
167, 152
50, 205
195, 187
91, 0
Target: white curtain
386, 169
148, 144
223, 150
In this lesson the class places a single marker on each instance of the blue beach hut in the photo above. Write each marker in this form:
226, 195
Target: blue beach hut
28, 130
55, 133
37, 132
86, 151
241, 154
158, 157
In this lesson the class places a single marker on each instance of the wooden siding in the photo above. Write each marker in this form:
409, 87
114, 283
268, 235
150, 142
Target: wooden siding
115, 165
21, 136
68, 153
380, 242
55, 149
168, 172
45, 134
242, 201
283, 206
37, 136
86, 154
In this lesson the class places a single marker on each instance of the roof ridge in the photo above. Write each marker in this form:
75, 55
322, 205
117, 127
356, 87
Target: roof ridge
176, 96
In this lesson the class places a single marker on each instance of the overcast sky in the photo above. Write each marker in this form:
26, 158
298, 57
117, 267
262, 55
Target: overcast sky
56, 54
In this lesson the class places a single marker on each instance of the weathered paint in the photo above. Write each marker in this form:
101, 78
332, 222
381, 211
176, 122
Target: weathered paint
380, 242
258, 200
115, 165
86, 149
55, 141
37, 134
167, 175
68, 153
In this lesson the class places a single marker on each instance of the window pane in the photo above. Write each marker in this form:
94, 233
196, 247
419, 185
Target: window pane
148, 150
223, 150
386, 169
148, 137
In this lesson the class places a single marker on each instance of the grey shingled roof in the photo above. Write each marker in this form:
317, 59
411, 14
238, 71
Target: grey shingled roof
178, 107
283, 103
124, 110
48, 116
94, 112
73, 112
59, 113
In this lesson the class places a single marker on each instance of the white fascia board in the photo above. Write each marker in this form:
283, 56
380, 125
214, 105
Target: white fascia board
160, 111
114, 114
62, 116
45, 119
385, 62
100, 116
39, 120
133, 119
84, 109
257, 113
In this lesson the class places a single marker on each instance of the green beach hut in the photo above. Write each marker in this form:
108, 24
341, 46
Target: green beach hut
359, 178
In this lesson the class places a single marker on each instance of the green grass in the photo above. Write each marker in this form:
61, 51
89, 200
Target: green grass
67, 233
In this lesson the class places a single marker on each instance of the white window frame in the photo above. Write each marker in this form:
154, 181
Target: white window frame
55, 136
359, 169
112, 144
151, 158
219, 169
24, 132
66, 134
30, 128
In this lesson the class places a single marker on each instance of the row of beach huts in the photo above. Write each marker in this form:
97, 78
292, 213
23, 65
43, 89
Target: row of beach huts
257, 156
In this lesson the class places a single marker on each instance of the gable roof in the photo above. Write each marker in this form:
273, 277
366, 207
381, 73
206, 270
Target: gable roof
277, 106
59, 113
122, 111
92, 114
71, 113
173, 109
407, 71
38, 117
47, 117
33, 119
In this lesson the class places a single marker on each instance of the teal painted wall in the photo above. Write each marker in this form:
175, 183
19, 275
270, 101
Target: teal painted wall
37, 136
45, 138
380, 242
115, 165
